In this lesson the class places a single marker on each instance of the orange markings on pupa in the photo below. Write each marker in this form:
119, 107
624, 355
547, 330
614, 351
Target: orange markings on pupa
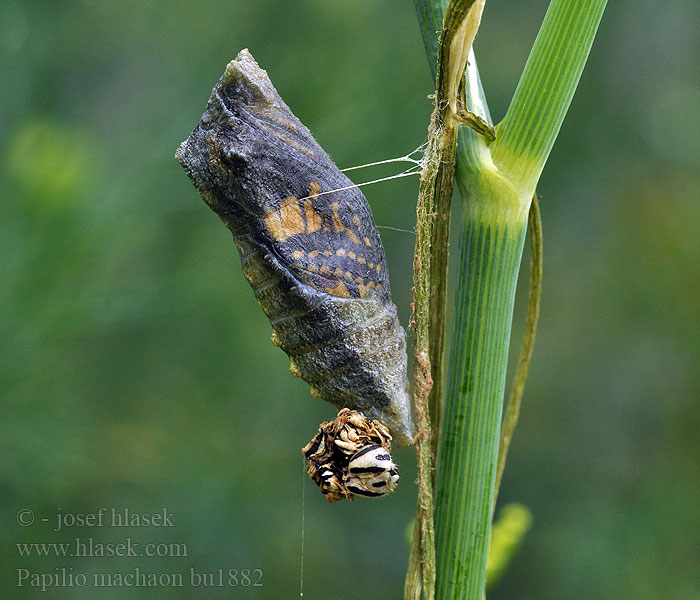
353, 238
314, 221
338, 226
288, 220
314, 189
285, 222
339, 290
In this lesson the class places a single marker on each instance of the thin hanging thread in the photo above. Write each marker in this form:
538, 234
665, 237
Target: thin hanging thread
414, 170
303, 511
406, 173
406, 158
396, 229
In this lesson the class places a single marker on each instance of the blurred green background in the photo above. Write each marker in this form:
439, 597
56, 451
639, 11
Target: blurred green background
136, 369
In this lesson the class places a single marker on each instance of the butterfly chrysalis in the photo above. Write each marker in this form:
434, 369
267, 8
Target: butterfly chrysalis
315, 261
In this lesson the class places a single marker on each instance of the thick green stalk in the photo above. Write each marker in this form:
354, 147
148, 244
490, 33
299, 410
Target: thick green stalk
459, 26
527, 133
491, 250
497, 180
430, 16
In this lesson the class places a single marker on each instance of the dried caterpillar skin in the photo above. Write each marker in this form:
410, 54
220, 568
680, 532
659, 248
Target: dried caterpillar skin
315, 262
330, 453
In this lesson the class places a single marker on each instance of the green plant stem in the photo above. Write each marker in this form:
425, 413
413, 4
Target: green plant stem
527, 133
497, 180
430, 16
512, 411
489, 262
459, 27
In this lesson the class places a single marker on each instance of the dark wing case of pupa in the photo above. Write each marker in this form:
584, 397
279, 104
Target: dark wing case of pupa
315, 261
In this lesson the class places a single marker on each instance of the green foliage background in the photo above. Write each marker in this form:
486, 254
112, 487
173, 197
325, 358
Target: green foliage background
136, 369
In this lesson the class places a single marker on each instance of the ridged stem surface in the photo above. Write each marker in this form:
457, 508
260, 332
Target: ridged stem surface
489, 261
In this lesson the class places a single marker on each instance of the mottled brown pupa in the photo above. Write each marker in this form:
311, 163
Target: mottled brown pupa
315, 261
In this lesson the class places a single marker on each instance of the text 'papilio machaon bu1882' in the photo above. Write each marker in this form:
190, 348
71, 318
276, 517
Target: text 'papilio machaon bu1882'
315, 261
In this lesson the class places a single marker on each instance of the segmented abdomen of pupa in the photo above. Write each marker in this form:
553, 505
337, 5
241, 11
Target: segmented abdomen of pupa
314, 260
